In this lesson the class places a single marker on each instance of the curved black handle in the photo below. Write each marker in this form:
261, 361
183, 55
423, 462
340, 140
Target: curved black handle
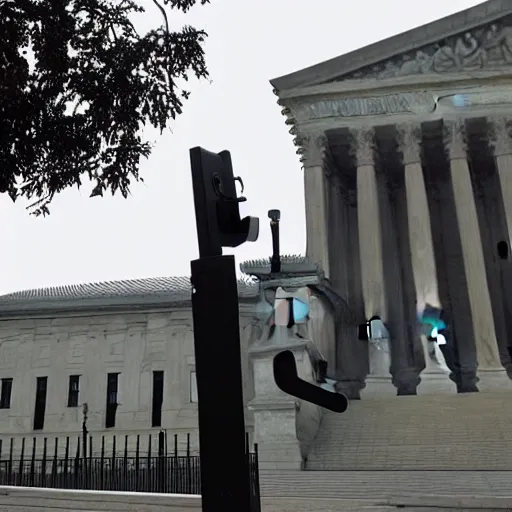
287, 380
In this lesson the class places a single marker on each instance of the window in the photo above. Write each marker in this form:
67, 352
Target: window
158, 398
193, 388
5, 394
112, 390
40, 405
74, 390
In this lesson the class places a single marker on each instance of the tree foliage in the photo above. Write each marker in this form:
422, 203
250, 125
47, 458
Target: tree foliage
77, 85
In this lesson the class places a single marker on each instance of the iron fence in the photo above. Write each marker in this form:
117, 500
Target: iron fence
134, 470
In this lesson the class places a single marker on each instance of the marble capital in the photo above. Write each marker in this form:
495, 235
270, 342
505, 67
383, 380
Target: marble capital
409, 140
455, 140
364, 139
501, 138
314, 150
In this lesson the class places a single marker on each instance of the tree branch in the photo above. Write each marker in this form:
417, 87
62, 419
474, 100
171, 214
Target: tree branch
164, 14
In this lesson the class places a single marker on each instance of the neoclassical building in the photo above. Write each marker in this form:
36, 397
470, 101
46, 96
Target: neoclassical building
124, 348
407, 158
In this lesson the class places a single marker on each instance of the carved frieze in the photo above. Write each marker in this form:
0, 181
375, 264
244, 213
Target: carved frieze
414, 103
485, 48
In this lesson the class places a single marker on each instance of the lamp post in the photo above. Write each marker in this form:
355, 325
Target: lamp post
85, 433
275, 261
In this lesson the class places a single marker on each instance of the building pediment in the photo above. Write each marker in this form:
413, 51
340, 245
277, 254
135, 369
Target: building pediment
477, 39
485, 48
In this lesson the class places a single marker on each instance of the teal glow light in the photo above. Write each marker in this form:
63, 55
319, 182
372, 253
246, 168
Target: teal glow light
300, 311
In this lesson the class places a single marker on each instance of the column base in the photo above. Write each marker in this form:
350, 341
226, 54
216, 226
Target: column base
378, 385
493, 380
406, 382
436, 383
465, 381
350, 388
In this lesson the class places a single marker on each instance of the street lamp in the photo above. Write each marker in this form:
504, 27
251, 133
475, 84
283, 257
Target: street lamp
275, 261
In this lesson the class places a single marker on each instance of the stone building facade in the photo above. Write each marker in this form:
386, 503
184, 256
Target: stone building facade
126, 349
407, 154
406, 149
113, 346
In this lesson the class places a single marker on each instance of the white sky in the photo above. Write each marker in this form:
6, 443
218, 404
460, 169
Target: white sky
153, 233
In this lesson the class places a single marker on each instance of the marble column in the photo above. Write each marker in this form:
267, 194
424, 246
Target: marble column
369, 227
350, 366
434, 378
503, 153
502, 145
371, 261
490, 372
418, 216
317, 248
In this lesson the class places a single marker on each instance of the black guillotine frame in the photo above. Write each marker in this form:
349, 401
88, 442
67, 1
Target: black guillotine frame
225, 484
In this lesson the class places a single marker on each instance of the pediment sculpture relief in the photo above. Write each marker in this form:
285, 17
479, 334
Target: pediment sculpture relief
488, 47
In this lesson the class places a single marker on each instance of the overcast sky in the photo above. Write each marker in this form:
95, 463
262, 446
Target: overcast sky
152, 233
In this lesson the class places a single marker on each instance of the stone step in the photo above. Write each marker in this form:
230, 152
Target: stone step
383, 484
419, 503
321, 505
447, 432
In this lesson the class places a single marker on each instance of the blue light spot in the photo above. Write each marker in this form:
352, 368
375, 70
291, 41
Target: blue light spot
460, 100
300, 311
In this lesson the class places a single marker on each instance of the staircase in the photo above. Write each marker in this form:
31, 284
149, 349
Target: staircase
437, 453
411, 433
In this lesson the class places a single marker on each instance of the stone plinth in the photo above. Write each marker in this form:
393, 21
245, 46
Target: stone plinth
285, 427
379, 380
277, 418
435, 377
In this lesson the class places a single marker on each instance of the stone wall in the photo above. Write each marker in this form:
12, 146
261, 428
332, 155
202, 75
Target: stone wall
451, 432
131, 344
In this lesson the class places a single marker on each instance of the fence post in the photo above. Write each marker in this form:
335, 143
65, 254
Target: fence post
45, 451
66, 464
89, 467
256, 469
33, 463
189, 469
150, 469
85, 432
77, 475
113, 469
54, 465
160, 467
11, 454
102, 463
125, 464
137, 464
21, 468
